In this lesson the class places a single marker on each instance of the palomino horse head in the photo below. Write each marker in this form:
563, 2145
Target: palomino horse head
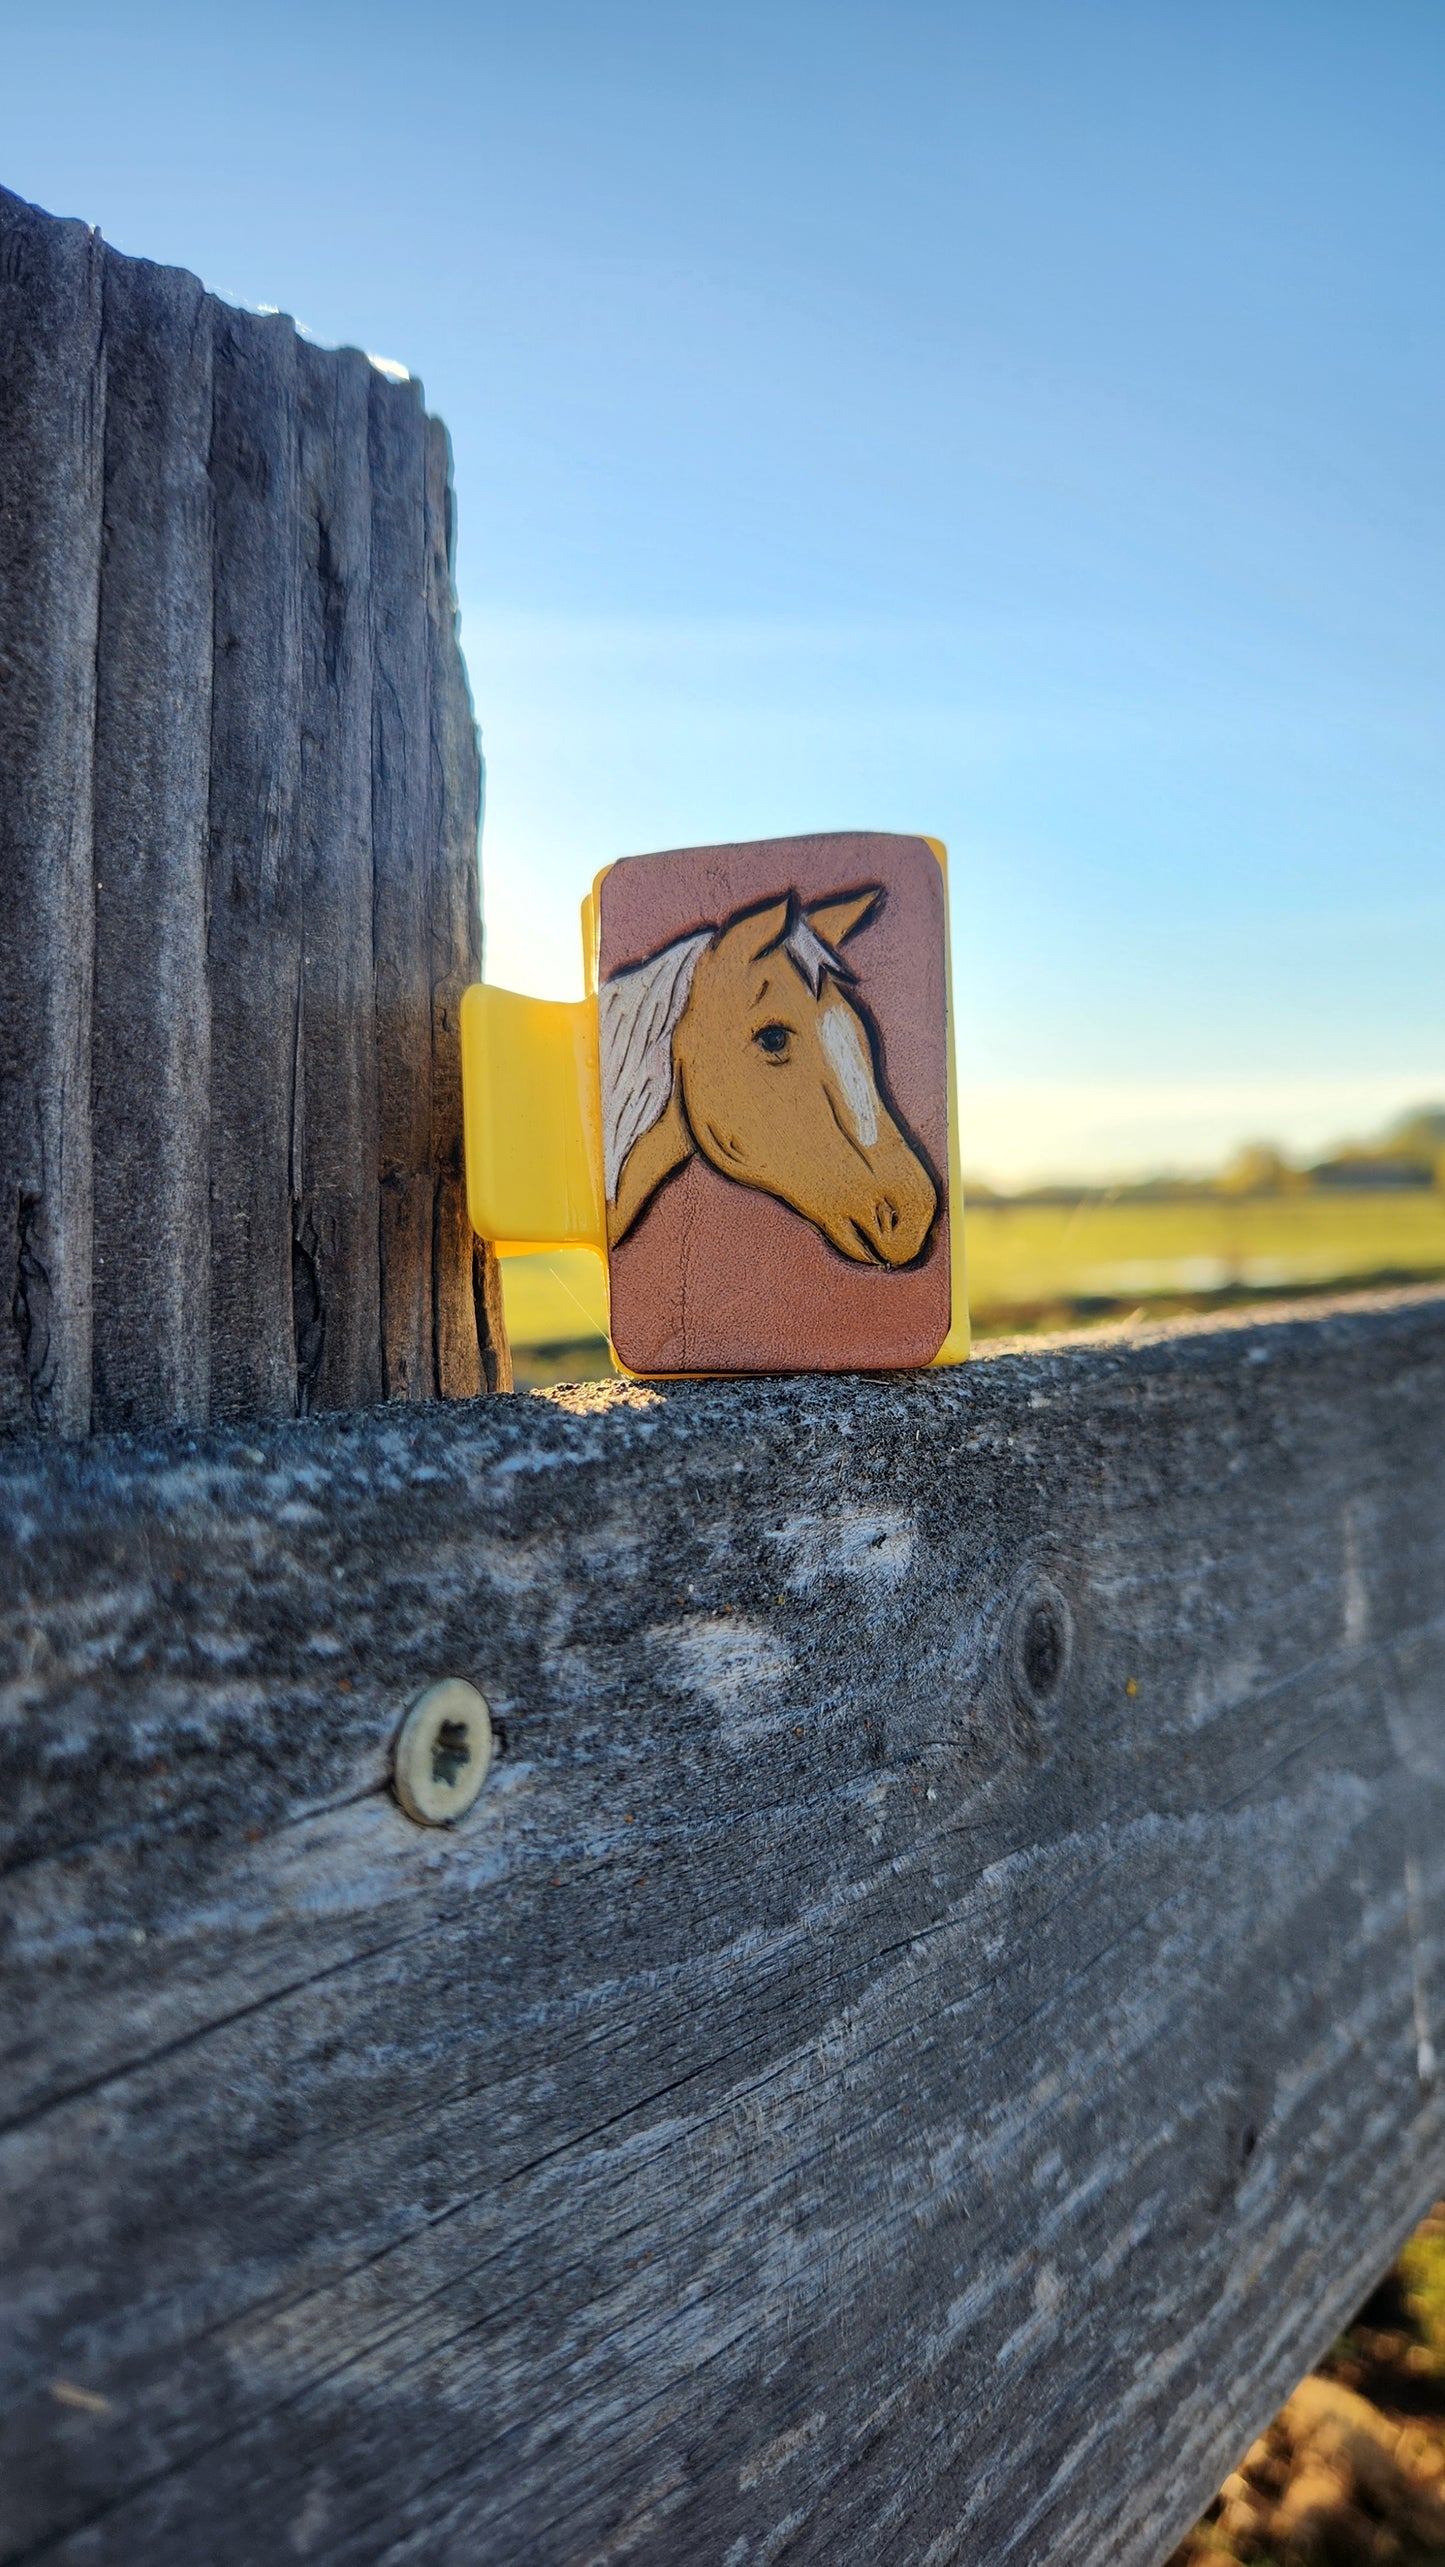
740, 1043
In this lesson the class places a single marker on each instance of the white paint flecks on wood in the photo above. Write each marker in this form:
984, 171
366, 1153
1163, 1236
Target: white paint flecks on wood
940, 2123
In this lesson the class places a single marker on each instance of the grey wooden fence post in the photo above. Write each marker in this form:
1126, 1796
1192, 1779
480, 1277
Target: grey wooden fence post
239, 796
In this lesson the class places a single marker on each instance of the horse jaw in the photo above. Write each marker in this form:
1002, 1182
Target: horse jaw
662, 1148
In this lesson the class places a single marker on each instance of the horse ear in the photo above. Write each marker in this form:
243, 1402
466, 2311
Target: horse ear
836, 920
767, 927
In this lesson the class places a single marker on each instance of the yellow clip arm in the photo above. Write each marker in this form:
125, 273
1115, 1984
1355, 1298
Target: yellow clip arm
532, 1115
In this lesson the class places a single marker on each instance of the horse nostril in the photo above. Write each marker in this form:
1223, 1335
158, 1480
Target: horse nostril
885, 1215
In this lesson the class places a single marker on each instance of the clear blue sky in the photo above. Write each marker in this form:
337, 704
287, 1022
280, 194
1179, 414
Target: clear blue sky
1019, 421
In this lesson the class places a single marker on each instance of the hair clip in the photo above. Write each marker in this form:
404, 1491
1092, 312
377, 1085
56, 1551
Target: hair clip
750, 1117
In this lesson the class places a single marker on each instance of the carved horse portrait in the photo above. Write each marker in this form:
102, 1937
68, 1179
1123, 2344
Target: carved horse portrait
739, 1044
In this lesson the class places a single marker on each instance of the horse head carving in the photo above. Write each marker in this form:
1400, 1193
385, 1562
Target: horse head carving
740, 1044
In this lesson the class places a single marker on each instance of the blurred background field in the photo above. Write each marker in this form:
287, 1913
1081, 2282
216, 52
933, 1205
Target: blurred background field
1371, 1212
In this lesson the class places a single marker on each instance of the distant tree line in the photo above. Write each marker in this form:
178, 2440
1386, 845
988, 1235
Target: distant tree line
1409, 1153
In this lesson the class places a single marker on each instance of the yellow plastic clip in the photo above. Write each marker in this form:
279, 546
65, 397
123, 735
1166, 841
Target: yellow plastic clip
798, 1033
533, 1121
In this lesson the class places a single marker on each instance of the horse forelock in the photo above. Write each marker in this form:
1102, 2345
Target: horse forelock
638, 1013
813, 958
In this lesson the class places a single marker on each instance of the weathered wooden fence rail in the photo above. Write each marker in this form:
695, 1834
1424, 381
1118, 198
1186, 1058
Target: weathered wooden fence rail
239, 791
928, 2031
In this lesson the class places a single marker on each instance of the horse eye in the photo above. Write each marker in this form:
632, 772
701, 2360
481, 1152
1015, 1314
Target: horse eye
773, 1039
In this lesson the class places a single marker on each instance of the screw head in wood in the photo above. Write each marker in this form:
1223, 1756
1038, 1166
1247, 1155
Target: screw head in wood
443, 1753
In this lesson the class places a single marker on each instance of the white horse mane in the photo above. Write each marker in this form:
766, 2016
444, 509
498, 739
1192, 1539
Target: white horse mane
639, 1010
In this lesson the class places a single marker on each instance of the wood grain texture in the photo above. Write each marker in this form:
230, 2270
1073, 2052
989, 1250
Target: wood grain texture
402, 805
254, 886
52, 398
220, 920
336, 1257
151, 1036
470, 1346
924, 2038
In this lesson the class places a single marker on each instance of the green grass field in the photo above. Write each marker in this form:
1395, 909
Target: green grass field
1032, 1264
1033, 1255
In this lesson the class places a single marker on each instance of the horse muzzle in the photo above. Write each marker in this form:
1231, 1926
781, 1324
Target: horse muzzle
892, 1229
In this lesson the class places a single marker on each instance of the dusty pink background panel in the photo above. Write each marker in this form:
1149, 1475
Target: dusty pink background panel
715, 1276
